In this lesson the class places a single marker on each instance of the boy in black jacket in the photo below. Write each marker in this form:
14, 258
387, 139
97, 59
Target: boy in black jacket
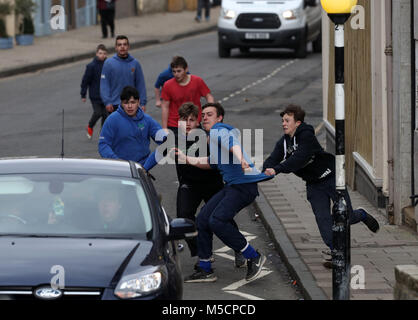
91, 80
299, 152
195, 184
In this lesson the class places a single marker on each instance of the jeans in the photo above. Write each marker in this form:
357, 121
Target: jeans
217, 217
99, 111
203, 4
319, 195
189, 198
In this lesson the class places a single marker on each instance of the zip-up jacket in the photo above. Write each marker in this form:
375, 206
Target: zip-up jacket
91, 80
302, 155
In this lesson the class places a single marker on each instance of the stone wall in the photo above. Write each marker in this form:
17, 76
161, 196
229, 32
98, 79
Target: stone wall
406, 287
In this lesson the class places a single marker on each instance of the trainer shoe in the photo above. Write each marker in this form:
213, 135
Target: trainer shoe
370, 222
254, 266
201, 276
239, 260
89, 132
327, 259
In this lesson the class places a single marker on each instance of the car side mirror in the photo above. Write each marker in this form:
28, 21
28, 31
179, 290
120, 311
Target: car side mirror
181, 228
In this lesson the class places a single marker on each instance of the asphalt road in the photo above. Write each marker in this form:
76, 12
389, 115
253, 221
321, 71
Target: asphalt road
252, 87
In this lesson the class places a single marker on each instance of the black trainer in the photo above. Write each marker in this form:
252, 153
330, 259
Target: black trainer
239, 260
370, 222
201, 276
254, 266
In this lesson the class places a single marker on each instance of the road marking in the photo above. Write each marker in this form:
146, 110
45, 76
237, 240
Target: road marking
261, 80
234, 286
245, 295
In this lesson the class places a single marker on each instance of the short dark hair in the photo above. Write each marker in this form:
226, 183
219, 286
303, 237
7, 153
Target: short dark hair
295, 110
178, 62
220, 111
121, 37
129, 92
188, 109
101, 47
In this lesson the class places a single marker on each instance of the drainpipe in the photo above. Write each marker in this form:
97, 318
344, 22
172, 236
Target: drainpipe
389, 68
413, 103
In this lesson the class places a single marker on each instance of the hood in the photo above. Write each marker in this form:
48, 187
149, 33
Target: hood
261, 6
304, 127
86, 262
128, 59
97, 61
138, 117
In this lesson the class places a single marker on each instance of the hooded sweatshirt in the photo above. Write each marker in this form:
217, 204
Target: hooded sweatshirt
302, 155
127, 138
118, 73
222, 138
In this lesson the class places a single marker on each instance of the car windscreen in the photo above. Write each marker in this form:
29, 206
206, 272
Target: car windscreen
73, 205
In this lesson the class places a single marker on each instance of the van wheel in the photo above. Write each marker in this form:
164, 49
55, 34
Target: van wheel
317, 44
301, 51
244, 50
223, 51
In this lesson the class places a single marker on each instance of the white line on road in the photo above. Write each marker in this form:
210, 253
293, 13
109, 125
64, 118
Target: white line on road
255, 83
234, 286
245, 295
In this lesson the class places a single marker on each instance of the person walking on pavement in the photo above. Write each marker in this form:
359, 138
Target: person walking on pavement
120, 71
217, 216
91, 80
200, 5
298, 151
107, 16
126, 133
182, 88
163, 77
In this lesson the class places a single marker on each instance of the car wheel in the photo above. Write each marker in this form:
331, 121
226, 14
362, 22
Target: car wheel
301, 51
244, 50
223, 51
317, 44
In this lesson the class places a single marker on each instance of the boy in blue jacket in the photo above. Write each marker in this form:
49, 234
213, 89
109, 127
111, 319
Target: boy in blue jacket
120, 71
217, 216
127, 132
91, 80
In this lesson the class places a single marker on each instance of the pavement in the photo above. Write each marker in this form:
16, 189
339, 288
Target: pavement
74, 45
288, 217
282, 205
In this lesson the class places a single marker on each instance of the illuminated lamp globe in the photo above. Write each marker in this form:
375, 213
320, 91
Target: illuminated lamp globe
338, 6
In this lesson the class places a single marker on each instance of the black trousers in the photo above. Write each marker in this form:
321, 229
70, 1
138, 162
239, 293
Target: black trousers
189, 198
107, 18
99, 111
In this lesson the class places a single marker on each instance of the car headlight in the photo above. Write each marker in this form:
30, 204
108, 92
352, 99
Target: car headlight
289, 14
137, 285
228, 14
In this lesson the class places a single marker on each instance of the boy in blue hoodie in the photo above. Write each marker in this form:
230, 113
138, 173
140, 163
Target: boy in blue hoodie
120, 71
127, 132
91, 80
217, 216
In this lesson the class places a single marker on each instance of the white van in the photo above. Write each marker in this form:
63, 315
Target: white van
246, 24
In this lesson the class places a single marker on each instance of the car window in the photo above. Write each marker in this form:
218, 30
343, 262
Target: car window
68, 204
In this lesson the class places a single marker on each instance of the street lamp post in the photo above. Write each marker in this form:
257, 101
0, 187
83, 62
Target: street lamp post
339, 12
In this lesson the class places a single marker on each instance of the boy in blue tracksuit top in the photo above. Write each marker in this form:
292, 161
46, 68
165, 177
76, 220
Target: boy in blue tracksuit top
120, 71
91, 80
216, 217
127, 132
164, 76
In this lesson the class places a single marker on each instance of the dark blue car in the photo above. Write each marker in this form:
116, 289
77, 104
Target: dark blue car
85, 229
